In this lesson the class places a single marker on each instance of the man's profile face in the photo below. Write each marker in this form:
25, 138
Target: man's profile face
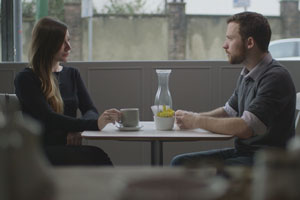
234, 45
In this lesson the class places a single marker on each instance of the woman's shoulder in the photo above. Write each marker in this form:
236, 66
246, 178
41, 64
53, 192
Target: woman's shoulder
25, 76
71, 70
26, 72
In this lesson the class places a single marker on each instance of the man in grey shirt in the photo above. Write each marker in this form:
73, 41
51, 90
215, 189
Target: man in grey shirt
260, 113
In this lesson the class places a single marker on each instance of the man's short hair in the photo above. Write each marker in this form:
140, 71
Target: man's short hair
253, 25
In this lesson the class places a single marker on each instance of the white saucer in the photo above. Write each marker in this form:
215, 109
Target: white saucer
123, 128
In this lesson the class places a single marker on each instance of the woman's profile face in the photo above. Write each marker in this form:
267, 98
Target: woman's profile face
64, 51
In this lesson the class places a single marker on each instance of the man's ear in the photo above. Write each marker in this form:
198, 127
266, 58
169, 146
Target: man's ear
250, 43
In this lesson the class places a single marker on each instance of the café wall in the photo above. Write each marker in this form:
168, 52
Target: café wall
194, 85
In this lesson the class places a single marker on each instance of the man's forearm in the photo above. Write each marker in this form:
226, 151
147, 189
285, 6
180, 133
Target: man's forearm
229, 126
218, 112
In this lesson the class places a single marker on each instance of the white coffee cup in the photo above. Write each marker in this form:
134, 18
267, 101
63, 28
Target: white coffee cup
130, 117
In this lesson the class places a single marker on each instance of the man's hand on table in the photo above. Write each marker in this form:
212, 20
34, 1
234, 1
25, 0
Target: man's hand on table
186, 119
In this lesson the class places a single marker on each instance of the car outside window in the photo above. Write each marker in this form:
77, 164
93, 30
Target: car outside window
281, 50
298, 49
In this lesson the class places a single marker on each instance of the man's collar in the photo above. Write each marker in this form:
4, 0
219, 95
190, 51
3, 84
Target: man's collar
257, 70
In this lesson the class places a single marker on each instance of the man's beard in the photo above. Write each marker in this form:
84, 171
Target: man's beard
238, 59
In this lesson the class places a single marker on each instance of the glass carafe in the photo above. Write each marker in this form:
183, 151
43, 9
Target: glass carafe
163, 96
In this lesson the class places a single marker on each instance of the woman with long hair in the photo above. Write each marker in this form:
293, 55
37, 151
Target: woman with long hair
52, 94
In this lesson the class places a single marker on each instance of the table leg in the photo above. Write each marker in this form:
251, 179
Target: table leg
156, 153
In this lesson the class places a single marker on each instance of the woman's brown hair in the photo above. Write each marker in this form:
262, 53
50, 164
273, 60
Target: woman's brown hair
47, 38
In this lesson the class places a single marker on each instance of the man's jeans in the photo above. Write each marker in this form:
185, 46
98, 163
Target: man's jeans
228, 156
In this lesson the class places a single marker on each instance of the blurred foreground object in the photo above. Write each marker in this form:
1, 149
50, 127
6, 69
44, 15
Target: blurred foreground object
175, 187
277, 173
23, 168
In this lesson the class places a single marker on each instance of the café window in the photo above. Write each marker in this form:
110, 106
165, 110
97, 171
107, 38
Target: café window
150, 29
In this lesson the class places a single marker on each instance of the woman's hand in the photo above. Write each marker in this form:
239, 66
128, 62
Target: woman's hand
108, 116
74, 138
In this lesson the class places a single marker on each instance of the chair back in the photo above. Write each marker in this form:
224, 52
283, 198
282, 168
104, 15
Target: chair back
297, 122
7, 100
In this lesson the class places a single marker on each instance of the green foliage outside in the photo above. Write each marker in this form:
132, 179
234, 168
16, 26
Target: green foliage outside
28, 9
55, 9
123, 7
